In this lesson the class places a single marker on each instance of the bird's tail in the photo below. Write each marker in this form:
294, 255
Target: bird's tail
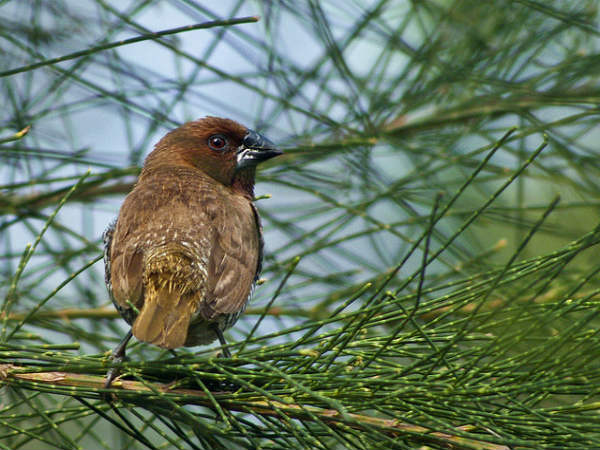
173, 287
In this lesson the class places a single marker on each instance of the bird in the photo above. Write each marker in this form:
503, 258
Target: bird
183, 256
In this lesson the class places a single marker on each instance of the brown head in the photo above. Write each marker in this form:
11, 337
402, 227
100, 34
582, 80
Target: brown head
221, 148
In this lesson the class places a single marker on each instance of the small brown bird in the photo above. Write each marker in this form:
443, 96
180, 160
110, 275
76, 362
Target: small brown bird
182, 257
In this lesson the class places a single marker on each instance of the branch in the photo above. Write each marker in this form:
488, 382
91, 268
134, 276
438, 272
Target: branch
11, 374
145, 37
111, 313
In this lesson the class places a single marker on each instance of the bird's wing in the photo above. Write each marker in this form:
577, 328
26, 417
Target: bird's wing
126, 279
107, 239
235, 262
125, 288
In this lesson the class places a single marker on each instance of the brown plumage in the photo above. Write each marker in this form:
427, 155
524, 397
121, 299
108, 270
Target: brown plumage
186, 248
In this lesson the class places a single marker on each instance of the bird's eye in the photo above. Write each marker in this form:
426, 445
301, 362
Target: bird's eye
217, 142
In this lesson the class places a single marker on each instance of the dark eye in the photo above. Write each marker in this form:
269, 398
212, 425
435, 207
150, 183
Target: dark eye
217, 142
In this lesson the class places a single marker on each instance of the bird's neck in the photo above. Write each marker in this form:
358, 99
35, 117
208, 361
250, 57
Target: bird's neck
243, 182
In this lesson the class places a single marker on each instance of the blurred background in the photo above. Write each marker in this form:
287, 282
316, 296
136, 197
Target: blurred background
431, 261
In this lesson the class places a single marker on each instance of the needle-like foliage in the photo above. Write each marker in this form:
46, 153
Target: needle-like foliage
432, 232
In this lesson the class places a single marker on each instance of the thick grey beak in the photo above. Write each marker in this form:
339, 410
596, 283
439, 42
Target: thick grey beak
255, 148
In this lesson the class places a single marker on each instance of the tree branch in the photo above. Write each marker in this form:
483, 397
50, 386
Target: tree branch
12, 374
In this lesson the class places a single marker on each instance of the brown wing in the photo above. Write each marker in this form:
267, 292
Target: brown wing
125, 274
124, 310
235, 260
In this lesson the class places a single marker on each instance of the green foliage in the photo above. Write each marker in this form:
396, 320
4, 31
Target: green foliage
431, 274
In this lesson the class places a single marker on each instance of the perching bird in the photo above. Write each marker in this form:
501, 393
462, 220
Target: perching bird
182, 257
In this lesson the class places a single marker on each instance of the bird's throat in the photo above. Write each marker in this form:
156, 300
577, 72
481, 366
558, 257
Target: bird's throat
243, 182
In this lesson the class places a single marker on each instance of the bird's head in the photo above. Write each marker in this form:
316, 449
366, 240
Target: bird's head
221, 148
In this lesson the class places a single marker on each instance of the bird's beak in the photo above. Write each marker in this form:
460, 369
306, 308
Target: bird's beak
255, 148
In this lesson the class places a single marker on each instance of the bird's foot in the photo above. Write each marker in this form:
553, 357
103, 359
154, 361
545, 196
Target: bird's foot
224, 350
117, 357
